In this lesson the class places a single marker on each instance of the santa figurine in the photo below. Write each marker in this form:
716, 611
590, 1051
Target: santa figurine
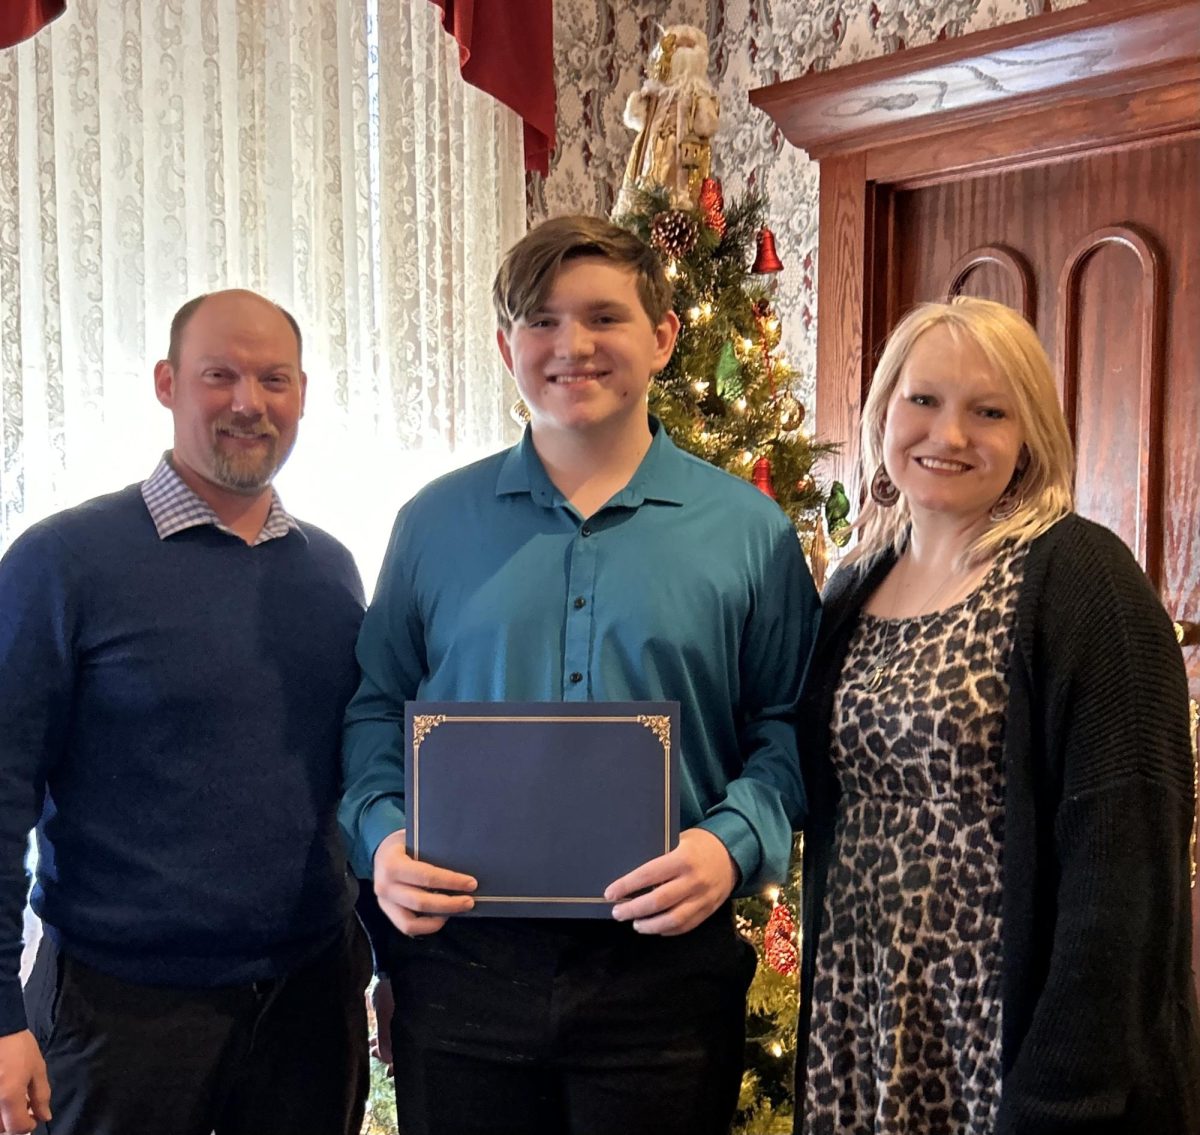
675, 113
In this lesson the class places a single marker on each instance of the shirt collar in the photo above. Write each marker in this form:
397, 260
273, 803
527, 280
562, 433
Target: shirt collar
174, 507
660, 476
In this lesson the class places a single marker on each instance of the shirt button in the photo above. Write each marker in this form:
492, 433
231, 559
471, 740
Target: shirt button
576, 677
586, 530
580, 601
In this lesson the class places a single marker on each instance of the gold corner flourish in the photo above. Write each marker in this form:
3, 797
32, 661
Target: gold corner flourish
659, 725
424, 724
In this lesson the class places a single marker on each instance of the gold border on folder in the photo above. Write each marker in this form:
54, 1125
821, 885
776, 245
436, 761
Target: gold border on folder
426, 723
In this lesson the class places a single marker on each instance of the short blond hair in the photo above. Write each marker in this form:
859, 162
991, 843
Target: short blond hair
1017, 358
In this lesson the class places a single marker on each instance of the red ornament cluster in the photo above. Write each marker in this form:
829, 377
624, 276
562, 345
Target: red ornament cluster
712, 205
779, 941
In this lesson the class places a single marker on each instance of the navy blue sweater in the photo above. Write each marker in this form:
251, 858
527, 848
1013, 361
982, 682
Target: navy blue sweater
171, 710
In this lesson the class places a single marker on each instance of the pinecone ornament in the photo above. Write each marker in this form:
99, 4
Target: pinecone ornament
673, 233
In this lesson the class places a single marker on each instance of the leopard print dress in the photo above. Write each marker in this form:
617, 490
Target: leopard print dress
905, 1034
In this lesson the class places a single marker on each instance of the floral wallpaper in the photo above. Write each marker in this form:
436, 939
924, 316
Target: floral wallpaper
601, 47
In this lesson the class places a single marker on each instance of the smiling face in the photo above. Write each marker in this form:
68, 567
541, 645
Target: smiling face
951, 438
236, 395
584, 359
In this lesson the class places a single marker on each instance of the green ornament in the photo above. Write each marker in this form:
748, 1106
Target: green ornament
837, 514
727, 367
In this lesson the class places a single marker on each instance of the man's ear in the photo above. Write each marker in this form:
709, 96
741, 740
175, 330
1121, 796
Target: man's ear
303, 391
505, 349
164, 383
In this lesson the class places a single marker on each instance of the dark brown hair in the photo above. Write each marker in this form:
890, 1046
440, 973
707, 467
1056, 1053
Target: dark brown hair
530, 267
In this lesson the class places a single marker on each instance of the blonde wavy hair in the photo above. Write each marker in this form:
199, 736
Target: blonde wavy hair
1017, 358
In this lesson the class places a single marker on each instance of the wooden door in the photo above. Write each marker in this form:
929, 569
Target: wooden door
1102, 254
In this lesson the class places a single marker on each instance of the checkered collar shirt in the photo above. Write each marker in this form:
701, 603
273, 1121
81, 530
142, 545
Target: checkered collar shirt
174, 507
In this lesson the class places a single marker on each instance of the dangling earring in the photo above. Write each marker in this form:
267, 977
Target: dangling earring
883, 489
1009, 502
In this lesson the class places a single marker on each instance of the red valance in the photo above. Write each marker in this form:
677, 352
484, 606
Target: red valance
19, 19
507, 49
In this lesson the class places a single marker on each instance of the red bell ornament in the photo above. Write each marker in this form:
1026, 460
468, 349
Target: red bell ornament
766, 259
762, 477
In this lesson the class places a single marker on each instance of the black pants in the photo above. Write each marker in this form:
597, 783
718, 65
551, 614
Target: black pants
559, 1027
285, 1057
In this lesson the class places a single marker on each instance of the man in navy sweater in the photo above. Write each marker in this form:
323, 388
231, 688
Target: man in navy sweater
175, 659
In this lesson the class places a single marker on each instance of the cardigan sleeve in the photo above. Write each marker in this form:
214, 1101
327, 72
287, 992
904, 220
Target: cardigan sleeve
1112, 697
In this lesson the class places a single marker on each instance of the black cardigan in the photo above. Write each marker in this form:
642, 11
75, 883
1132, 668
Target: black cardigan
1100, 1029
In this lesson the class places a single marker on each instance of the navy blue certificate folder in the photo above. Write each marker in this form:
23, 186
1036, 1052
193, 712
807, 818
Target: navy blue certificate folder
545, 803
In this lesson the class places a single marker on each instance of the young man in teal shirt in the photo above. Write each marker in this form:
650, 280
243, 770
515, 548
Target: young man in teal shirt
593, 561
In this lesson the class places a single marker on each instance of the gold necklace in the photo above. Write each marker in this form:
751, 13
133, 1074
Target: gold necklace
885, 664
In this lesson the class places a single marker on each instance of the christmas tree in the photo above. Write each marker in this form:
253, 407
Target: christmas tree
727, 397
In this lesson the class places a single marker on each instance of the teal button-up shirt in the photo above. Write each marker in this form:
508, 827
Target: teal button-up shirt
689, 585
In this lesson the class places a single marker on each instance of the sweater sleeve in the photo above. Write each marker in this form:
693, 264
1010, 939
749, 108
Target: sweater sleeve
1114, 696
38, 608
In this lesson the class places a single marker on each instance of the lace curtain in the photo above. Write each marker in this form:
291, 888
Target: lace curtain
326, 153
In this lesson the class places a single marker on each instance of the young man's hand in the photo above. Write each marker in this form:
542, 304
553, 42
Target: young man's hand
24, 1089
410, 892
687, 885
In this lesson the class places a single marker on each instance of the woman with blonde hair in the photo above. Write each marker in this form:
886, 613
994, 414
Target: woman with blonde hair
997, 931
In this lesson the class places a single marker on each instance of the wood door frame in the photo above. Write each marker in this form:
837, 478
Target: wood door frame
1115, 73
